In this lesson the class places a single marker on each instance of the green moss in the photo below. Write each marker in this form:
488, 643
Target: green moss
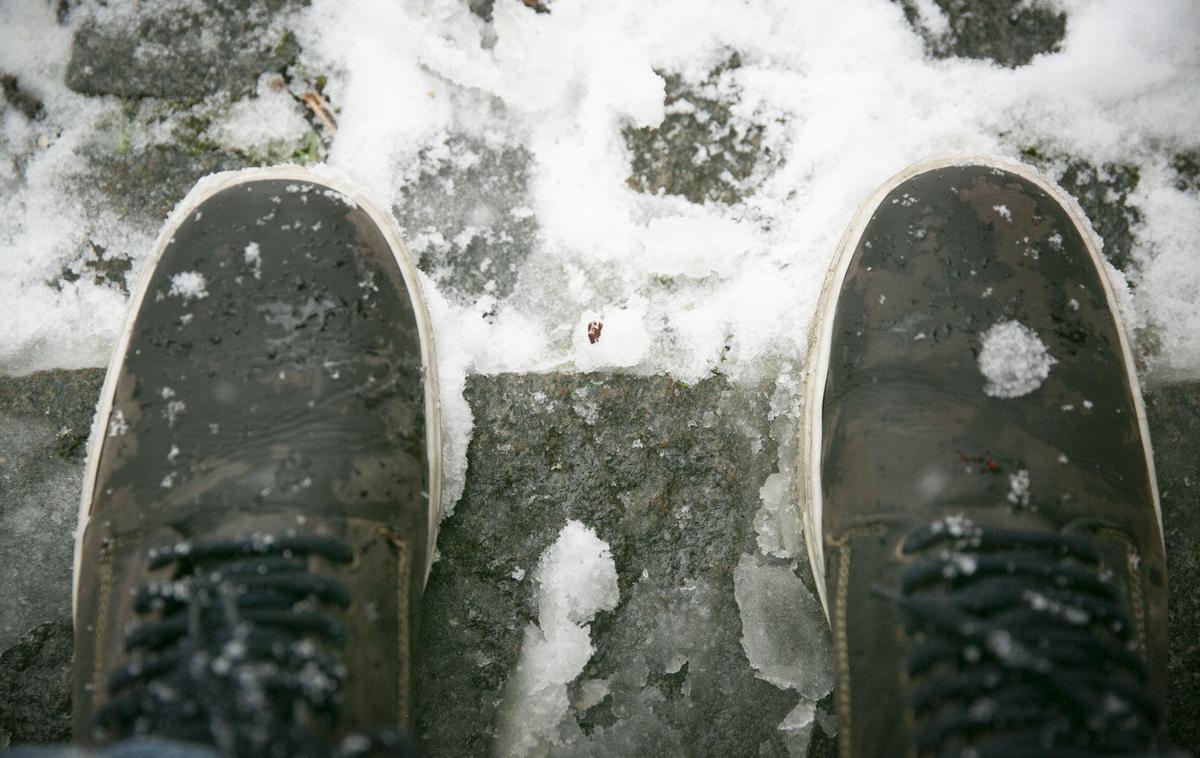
309, 150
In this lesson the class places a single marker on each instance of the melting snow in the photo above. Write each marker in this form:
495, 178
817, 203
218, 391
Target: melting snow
576, 578
1014, 360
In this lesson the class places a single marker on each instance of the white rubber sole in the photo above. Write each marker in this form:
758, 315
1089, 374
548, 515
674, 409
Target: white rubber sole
820, 338
204, 189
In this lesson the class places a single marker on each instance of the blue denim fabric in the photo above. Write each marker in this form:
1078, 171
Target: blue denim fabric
141, 747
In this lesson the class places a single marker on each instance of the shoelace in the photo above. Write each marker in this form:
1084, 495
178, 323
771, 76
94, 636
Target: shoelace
234, 650
1022, 648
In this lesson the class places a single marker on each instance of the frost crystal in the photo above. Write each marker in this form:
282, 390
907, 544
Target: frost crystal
1018, 488
172, 411
117, 425
252, 256
190, 285
1014, 360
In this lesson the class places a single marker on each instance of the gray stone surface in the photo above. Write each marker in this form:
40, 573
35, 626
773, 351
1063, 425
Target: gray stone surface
35, 687
1103, 192
699, 118
37, 515
45, 419
466, 216
182, 49
1006, 32
146, 184
668, 475
1174, 411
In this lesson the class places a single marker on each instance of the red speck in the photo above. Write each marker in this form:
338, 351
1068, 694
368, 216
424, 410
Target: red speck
993, 466
594, 328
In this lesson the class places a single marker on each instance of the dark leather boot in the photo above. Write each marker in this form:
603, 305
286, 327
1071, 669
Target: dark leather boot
978, 485
262, 490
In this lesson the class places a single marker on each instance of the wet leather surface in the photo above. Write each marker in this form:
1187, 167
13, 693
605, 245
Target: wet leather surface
288, 397
911, 436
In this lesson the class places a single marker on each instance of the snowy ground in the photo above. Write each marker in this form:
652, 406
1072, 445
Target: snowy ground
678, 170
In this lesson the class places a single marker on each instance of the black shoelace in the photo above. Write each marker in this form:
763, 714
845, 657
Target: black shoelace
237, 650
1022, 647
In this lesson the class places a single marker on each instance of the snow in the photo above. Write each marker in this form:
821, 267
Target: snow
189, 285
621, 341
252, 256
117, 425
695, 246
270, 122
1013, 359
1018, 488
576, 578
933, 18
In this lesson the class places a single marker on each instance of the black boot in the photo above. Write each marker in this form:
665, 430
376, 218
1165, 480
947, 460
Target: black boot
262, 490
980, 498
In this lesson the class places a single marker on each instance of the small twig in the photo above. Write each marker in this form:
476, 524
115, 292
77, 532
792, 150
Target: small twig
320, 109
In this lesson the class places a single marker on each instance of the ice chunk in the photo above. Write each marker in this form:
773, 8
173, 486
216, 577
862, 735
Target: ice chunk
591, 692
1014, 360
796, 728
777, 522
576, 578
784, 632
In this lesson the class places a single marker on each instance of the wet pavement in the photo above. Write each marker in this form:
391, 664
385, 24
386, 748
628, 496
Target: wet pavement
668, 474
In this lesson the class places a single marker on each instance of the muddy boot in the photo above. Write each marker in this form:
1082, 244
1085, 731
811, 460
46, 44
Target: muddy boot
262, 491
978, 486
